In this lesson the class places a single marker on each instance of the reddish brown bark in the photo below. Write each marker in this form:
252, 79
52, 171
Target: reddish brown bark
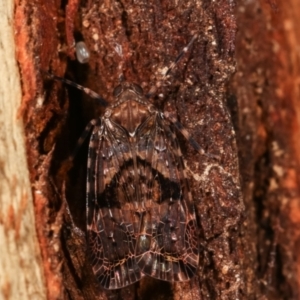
267, 88
246, 253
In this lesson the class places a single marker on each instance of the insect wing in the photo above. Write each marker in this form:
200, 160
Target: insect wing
167, 241
111, 224
140, 213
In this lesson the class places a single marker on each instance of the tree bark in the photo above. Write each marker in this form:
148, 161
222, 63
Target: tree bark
236, 92
21, 271
266, 86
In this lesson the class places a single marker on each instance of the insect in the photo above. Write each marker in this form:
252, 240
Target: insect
140, 212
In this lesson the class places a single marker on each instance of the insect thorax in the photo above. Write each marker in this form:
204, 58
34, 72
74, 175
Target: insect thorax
130, 109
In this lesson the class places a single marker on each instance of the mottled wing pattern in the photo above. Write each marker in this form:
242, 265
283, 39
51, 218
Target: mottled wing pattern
167, 242
140, 214
111, 229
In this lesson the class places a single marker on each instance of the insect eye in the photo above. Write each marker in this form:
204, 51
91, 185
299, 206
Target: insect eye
117, 90
137, 89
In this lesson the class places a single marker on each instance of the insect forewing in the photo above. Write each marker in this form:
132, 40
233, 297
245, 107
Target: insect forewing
167, 242
140, 215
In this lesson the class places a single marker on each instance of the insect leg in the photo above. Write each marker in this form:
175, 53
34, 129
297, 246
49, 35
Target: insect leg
67, 164
87, 91
179, 56
64, 210
68, 216
83, 137
171, 67
188, 137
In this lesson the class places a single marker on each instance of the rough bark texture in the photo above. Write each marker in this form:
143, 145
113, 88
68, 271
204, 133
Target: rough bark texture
266, 86
21, 271
250, 236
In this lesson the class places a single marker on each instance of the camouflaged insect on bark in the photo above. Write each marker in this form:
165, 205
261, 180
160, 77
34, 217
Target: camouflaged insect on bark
196, 97
140, 212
